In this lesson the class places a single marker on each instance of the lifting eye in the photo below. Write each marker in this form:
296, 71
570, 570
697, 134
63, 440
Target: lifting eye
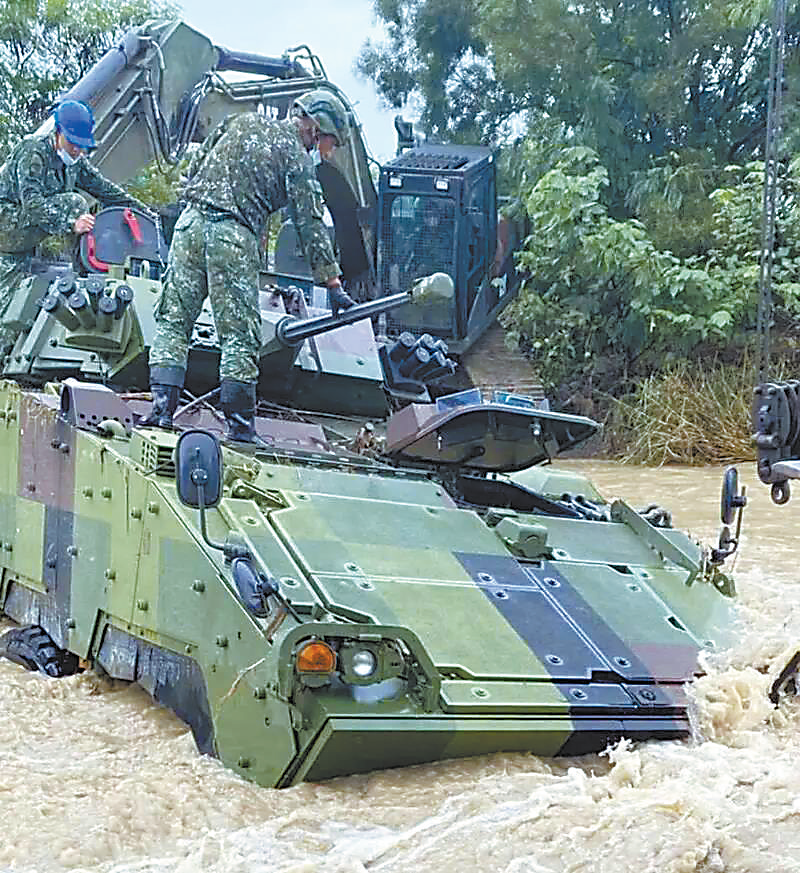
315, 657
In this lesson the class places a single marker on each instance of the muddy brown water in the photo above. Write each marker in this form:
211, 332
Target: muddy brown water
95, 777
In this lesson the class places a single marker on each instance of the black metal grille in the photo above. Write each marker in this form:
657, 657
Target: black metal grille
418, 239
414, 160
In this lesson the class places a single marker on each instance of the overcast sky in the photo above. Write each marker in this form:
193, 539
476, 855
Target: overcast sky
335, 30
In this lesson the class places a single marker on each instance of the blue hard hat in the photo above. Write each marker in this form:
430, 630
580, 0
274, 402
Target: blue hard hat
76, 122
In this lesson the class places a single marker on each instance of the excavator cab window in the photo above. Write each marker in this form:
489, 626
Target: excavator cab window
419, 239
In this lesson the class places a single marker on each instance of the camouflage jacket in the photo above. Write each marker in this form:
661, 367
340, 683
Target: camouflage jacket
37, 193
248, 168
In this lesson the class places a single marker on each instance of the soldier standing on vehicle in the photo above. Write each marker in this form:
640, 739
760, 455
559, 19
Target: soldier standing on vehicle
38, 196
248, 168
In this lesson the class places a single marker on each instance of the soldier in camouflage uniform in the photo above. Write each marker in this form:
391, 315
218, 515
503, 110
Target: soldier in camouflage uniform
247, 168
38, 196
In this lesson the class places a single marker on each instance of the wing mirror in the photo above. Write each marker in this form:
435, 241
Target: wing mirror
198, 469
198, 475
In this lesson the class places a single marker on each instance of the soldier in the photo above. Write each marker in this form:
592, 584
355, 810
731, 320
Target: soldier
38, 196
247, 168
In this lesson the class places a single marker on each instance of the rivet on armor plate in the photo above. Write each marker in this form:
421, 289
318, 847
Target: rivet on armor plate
222, 642
106, 492
142, 605
72, 550
199, 586
152, 507
88, 492
110, 574
71, 623
136, 512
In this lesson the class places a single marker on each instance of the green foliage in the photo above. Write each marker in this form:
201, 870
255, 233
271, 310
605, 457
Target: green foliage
436, 57
633, 80
46, 45
604, 306
155, 187
734, 256
601, 301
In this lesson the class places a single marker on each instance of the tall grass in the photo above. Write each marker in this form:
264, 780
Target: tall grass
690, 413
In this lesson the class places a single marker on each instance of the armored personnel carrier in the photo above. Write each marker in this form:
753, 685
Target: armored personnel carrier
386, 578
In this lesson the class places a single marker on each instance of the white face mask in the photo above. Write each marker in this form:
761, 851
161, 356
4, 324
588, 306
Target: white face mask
66, 157
316, 157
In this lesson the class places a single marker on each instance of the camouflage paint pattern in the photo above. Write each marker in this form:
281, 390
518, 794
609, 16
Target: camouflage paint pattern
479, 651
248, 168
245, 170
38, 194
218, 260
39, 198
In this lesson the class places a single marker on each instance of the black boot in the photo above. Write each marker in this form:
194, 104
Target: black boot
165, 386
165, 401
339, 299
238, 401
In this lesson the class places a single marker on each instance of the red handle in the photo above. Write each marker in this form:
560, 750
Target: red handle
94, 263
133, 223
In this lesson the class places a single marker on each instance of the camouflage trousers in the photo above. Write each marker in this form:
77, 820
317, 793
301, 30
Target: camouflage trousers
217, 259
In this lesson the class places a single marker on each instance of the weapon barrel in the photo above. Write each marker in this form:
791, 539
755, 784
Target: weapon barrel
80, 305
55, 305
123, 295
293, 331
106, 312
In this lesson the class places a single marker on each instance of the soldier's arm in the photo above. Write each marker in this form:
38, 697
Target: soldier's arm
306, 207
53, 213
91, 180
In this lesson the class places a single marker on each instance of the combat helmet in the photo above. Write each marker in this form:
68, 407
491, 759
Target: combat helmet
327, 111
75, 120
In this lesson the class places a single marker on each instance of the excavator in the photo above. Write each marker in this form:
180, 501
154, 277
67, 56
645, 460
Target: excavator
163, 88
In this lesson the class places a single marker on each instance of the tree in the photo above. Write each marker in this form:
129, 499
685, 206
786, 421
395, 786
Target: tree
435, 56
46, 45
632, 79
603, 306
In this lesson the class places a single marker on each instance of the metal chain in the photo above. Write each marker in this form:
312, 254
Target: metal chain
771, 184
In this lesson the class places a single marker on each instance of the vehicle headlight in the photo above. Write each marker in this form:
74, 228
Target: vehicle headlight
363, 663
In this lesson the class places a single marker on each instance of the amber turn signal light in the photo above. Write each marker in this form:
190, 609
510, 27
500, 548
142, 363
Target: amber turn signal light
316, 657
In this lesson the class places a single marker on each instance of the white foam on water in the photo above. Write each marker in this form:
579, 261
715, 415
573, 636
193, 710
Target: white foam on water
95, 777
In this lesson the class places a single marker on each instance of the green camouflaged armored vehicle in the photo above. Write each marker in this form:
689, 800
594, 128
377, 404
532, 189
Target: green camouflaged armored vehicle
385, 579
389, 577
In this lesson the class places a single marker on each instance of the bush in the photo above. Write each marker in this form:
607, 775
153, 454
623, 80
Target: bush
690, 413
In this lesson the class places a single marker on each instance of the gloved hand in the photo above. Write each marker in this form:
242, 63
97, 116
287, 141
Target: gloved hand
339, 298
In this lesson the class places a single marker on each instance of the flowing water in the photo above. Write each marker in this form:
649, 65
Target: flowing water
95, 777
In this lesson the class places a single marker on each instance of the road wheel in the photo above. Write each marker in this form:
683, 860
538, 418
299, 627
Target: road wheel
34, 649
